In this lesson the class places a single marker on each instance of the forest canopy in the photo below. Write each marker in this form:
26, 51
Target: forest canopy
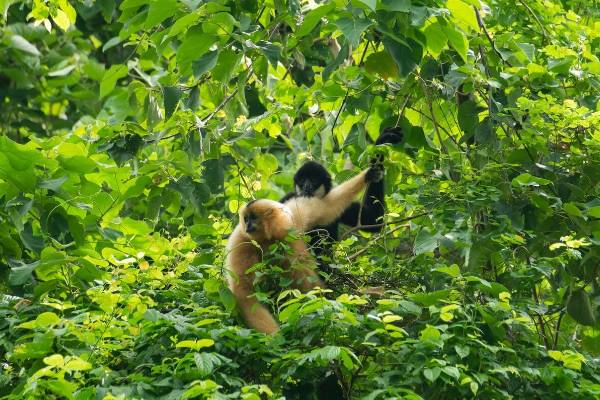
131, 133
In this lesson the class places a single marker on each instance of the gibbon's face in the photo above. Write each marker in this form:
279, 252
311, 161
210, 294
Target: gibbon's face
312, 180
265, 220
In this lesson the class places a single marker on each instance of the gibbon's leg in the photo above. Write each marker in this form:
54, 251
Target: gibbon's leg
303, 275
256, 315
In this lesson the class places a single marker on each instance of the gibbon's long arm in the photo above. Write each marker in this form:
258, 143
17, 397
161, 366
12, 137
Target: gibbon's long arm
241, 256
310, 212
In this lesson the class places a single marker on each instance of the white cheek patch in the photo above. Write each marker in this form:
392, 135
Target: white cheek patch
298, 190
320, 192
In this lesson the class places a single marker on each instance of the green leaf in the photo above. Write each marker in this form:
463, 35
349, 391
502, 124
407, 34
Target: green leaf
21, 273
61, 19
76, 364
219, 24
312, 18
462, 351
529, 180
574, 211
20, 43
431, 298
356, 137
426, 242
453, 270
457, 40
436, 39
430, 333
110, 78
468, 117
213, 174
159, 10
206, 363
195, 44
171, 96
55, 360
205, 63
371, 4
80, 164
593, 212
464, 14
183, 23
61, 387
33, 242
227, 62
339, 59
62, 71
452, 372
195, 344
395, 5
381, 63
46, 320
4, 4
431, 374
406, 57
353, 28
579, 307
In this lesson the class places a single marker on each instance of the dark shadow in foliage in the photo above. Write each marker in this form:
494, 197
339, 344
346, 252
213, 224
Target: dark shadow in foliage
123, 148
318, 388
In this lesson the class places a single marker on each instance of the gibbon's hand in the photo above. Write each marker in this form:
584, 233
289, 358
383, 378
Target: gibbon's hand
375, 172
392, 135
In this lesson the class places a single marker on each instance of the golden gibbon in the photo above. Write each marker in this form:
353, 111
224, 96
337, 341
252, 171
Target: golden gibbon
263, 222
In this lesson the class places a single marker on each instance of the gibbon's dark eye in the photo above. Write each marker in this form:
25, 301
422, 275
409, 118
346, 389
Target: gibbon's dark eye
250, 222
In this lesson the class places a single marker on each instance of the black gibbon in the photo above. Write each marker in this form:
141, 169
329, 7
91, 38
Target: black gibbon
313, 180
263, 222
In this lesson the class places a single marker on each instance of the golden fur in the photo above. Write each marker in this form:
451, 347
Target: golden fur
274, 221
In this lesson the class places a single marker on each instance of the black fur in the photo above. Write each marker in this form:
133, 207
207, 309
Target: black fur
312, 175
309, 178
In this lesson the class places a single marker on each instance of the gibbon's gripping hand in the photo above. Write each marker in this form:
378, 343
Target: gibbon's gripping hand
392, 135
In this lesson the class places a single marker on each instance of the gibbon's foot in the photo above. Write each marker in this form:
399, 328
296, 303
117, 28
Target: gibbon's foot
375, 173
392, 135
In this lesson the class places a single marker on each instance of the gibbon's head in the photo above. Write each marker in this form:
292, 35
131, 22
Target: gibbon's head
312, 180
265, 220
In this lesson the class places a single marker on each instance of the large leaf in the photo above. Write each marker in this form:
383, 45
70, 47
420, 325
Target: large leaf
406, 56
579, 307
110, 78
313, 17
159, 10
353, 28
195, 44
20, 43
171, 96
205, 63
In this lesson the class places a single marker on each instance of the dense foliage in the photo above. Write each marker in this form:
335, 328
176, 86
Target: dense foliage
133, 130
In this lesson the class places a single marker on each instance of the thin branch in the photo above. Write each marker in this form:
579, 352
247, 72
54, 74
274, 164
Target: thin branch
557, 330
489, 37
435, 123
337, 116
544, 33
540, 319
383, 224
